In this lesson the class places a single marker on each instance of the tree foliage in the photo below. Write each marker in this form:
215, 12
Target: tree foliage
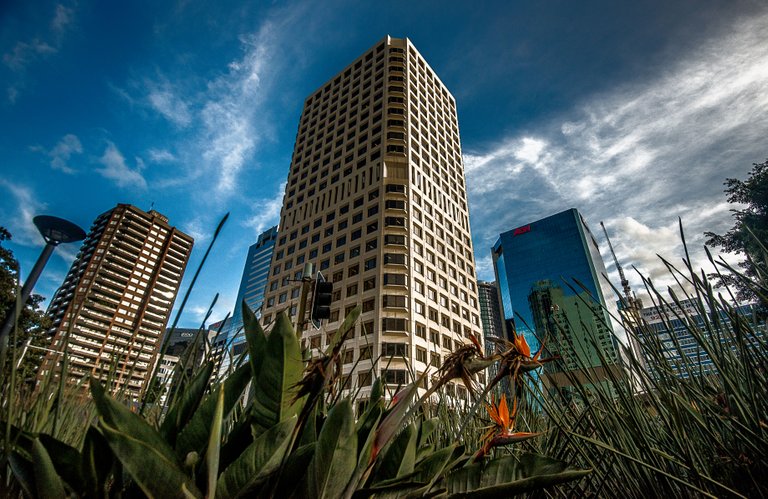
32, 321
749, 234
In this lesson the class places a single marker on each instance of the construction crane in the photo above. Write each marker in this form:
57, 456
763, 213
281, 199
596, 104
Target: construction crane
628, 298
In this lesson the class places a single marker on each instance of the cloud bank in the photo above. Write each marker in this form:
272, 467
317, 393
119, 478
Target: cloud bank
637, 157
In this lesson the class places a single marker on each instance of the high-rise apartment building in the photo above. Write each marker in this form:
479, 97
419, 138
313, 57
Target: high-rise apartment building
252, 285
117, 296
550, 276
376, 199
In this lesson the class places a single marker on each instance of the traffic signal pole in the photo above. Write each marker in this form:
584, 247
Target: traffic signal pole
306, 283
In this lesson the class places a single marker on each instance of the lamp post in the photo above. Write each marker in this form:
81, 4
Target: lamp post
54, 231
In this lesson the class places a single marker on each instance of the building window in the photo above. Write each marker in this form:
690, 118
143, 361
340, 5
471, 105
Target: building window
367, 328
351, 290
421, 331
370, 264
364, 378
394, 301
421, 355
395, 280
394, 240
369, 284
368, 305
434, 359
393, 349
394, 324
394, 376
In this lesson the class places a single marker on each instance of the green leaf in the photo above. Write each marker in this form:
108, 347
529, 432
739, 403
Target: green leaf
335, 456
66, 460
214, 445
255, 338
185, 406
426, 429
398, 458
47, 482
506, 476
194, 436
141, 450
23, 472
349, 323
280, 371
394, 418
296, 465
96, 463
258, 460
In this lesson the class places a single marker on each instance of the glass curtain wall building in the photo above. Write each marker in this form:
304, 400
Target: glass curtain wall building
251, 291
551, 285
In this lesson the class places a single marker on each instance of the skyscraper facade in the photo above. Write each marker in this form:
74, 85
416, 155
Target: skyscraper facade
550, 279
117, 296
376, 199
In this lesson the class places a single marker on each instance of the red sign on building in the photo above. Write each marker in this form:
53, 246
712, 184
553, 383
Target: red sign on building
521, 230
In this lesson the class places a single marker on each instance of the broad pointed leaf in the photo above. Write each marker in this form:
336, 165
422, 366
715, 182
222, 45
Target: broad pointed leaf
194, 436
47, 482
186, 404
399, 456
97, 460
260, 459
335, 456
142, 451
507, 476
214, 445
280, 371
255, 338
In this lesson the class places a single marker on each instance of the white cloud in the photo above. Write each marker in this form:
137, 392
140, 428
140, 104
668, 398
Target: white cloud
266, 212
26, 52
164, 99
161, 156
20, 222
116, 169
63, 150
62, 18
638, 156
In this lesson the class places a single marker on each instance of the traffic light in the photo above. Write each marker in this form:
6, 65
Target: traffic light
321, 301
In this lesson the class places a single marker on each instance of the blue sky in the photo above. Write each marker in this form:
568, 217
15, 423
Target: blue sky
633, 112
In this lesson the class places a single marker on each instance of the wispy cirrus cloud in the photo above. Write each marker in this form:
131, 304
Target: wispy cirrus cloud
27, 206
225, 120
266, 212
639, 156
24, 53
114, 167
63, 151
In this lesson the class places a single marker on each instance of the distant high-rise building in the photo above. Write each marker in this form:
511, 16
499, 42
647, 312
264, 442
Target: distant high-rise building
252, 286
490, 314
550, 279
376, 199
117, 296
676, 332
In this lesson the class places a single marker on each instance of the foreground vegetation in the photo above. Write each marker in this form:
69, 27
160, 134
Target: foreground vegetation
278, 426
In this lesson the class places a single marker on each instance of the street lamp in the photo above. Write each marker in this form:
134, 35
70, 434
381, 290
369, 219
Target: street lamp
54, 231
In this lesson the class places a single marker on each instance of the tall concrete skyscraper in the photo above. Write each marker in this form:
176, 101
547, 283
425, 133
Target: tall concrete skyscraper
117, 297
550, 276
376, 199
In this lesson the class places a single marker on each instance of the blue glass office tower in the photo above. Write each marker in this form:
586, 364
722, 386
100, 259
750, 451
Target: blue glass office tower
252, 286
550, 279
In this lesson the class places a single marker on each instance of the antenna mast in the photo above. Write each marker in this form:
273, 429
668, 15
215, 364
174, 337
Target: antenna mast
624, 282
